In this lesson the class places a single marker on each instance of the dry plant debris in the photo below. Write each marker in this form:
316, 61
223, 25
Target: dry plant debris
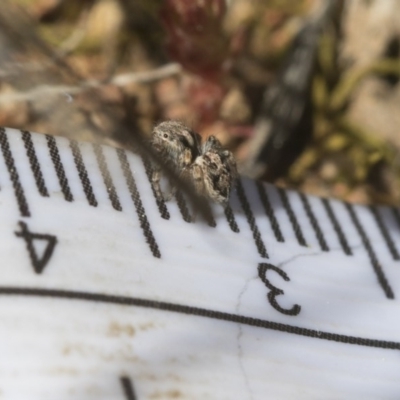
108, 70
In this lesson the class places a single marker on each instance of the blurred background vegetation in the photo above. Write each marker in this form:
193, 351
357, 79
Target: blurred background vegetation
108, 70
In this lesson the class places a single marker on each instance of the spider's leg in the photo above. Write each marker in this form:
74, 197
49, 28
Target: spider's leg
171, 192
155, 181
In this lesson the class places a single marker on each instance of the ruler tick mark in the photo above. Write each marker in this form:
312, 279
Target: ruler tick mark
371, 253
385, 233
184, 210
105, 173
269, 211
127, 386
292, 217
34, 162
314, 222
180, 200
82, 172
396, 215
144, 223
62, 178
251, 220
162, 208
12, 170
338, 230
230, 217
208, 215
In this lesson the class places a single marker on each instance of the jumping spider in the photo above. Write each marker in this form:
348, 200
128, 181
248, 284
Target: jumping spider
208, 167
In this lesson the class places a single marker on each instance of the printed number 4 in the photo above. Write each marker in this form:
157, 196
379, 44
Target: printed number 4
39, 261
274, 291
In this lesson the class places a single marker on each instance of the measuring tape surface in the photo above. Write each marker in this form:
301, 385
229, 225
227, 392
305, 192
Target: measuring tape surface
107, 291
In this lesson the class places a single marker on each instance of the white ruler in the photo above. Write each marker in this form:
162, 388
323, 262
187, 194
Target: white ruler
109, 293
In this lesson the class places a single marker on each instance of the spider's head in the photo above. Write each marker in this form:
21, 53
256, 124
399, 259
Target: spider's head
173, 138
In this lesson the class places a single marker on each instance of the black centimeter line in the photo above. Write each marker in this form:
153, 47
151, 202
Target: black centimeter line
269, 211
292, 218
62, 178
336, 227
196, 311
82, 172
371, 253
314, 222
34, 162
251, 220
144, 222
162, 207
12, 170
105, 173
385, 233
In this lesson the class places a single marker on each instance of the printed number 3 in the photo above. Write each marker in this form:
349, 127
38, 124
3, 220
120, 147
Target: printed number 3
274, 291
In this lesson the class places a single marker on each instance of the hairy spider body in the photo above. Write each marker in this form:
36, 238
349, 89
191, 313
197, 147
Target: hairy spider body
214, 171
176, 145
208, 167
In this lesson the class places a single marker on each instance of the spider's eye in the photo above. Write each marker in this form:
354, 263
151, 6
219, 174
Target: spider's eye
165, 135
